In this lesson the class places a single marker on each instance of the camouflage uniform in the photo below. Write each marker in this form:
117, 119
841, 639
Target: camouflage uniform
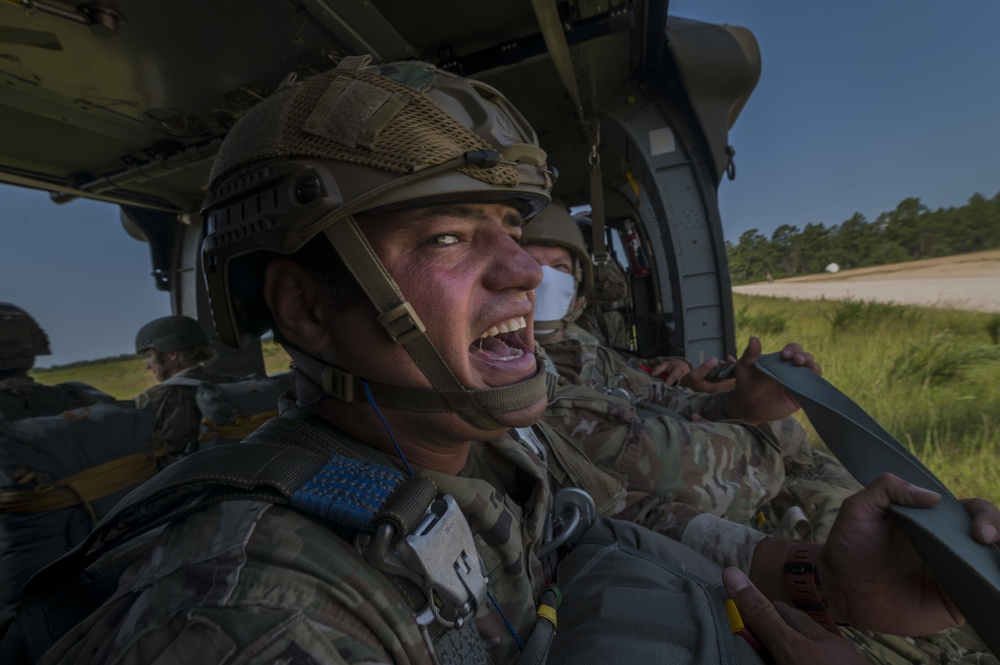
249, 582
729, 469
178, 419
632, 424
23, 397
725, 468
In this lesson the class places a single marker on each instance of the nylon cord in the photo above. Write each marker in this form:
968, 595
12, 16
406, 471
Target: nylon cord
493, 600
371, 400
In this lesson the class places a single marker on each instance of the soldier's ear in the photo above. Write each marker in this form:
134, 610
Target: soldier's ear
294, 296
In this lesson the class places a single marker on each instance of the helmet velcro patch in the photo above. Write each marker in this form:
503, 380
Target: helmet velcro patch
353, 113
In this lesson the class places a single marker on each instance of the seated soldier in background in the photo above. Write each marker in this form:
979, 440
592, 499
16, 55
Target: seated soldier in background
668, 440
415, 183
177, 351
53, 441
729, 467
21, 340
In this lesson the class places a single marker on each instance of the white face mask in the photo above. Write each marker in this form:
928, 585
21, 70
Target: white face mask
554, 296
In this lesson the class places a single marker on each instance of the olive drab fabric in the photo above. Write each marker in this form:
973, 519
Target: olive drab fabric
59, 474
652, 599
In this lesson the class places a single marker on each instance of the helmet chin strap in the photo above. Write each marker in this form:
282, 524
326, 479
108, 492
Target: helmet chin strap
475, 406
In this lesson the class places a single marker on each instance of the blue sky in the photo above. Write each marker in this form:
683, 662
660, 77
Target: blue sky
860, 105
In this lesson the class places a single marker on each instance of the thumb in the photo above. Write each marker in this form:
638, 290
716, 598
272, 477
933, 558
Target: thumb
751, 353
757, 611
889, 488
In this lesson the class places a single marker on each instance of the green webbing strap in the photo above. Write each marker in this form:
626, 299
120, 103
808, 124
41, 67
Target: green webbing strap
547, 13
966, 569
345, 386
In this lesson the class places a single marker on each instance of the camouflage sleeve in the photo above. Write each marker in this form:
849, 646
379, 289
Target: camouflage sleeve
726, 542
646, 389
178, 419
726, 469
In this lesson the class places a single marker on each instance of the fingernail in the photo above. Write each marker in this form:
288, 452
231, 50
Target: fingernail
735, 580
989, 533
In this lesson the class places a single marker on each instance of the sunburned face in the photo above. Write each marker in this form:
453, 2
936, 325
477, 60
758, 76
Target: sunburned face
462, 270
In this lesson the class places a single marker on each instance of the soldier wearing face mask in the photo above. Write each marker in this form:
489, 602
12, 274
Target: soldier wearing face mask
666, 439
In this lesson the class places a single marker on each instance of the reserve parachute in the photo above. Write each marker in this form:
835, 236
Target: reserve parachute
59, 475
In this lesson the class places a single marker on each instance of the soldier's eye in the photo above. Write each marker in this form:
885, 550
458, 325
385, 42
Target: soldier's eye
444, 239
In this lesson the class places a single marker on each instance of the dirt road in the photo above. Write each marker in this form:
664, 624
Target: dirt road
969, 281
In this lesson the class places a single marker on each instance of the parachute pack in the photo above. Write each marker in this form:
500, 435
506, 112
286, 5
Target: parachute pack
59, 474
231, 410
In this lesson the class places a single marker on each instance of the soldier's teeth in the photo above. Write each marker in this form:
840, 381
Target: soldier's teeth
512, 325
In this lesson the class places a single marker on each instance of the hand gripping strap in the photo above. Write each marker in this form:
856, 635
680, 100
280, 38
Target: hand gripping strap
966, 569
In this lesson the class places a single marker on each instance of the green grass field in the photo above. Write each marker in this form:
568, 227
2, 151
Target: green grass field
929, 376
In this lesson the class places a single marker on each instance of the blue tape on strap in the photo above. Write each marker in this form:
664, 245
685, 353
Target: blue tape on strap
347, 492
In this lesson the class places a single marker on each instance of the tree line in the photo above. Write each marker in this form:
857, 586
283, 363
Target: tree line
911, 231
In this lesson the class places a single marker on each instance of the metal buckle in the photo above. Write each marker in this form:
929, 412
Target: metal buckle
338, 383
442, 550
573, 512
530, 439
402, 323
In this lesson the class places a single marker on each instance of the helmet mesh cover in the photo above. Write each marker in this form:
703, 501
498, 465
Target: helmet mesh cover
357, 116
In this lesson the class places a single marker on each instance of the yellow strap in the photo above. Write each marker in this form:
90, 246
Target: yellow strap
548, 613
240, 429
733, 614
83, 487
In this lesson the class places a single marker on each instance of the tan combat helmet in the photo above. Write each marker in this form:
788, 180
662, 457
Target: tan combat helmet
170, 333
21, 339
555, 227
304, 161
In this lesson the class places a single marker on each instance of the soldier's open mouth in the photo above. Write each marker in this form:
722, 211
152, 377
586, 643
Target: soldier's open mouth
500, 343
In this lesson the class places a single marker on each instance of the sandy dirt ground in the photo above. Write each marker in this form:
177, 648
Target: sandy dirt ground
969, 281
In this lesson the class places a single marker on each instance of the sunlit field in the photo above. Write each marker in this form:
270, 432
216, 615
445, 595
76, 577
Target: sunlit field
929, 376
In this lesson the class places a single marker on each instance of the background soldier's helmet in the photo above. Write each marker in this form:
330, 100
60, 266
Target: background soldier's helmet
554, 226
21, 338
358, 138
171, 333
